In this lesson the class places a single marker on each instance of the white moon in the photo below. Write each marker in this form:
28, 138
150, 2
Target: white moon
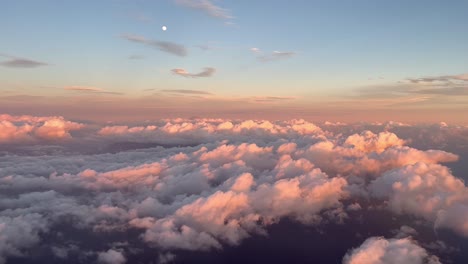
164, 28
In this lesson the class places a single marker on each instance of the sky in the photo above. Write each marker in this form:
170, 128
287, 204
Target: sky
216, 131
334, 60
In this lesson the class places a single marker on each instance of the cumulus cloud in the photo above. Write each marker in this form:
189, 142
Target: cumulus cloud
166, 46
27, 128
426, 190
207, 72
207, 7
111, 257
179, 185
378, 250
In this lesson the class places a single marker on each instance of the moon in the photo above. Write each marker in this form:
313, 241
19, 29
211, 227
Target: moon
164, 28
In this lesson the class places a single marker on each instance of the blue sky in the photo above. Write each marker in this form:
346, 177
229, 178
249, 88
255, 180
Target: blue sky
329, 47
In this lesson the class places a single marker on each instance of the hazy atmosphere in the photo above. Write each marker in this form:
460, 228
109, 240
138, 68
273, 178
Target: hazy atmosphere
217, 131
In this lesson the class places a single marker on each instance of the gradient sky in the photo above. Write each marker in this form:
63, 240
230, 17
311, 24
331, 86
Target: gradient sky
408, 57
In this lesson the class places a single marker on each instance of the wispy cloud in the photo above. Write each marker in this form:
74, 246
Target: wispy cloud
206, 47
183, 91
83, 88
425, 91
166, 46
136, 57
207, 7
269, 99
255, 50
207, 72
15, 62
444, 91
89, 89
440, 79
275, 55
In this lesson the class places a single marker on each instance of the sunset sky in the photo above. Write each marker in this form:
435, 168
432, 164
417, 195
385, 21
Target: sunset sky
322, 60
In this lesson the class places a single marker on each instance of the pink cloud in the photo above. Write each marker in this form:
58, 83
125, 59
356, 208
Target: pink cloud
378, 250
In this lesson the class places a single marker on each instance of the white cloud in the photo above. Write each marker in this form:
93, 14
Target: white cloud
378, 250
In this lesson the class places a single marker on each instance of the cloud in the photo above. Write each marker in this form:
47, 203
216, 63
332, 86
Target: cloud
166, 46
273, 98
83, 88
275, 55
176, 185
441, 79
136, 57
426, 190
28, 128
453, 91
182, 91
22, 63
438, 91
89, 89
378, 250
111, 257
207, 72
207, 7
206, 47
368, 141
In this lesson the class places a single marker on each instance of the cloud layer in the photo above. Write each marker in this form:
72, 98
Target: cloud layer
208, 184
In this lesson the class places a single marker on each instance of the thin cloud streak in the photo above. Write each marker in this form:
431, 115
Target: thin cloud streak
275, 55
443, 79
183, 91
166, 46
207, 7
83, 88
89, 89
207, 72
267, 99
21, 63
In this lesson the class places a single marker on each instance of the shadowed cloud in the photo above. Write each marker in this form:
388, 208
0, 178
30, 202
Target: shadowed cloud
166, 46
22, 63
